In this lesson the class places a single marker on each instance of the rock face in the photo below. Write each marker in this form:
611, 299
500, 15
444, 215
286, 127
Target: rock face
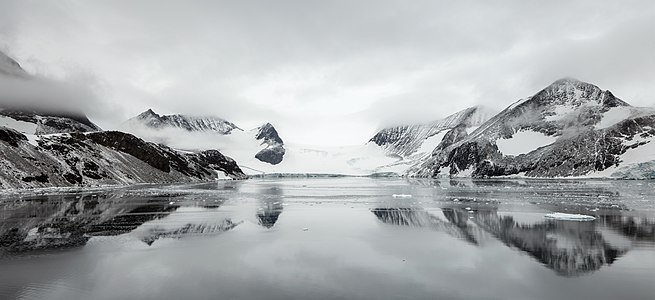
101, 158
189, 123
274, 151
570, 128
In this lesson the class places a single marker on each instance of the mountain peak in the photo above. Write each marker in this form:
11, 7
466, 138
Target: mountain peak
268, 133
148, 114
570, 83
573, 92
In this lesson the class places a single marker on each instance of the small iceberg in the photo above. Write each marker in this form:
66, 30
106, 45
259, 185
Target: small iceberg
569, 217
401, 196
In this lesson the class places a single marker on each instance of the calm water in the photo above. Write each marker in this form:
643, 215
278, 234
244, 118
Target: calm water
332, 238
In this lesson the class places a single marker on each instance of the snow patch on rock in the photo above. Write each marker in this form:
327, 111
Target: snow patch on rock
614, 115
20, 126
524, 142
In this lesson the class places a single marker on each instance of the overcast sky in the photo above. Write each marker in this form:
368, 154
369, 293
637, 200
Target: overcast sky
328, 72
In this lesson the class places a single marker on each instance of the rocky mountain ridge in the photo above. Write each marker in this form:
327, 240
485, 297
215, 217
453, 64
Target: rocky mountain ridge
569, 129
102, 158
189, 123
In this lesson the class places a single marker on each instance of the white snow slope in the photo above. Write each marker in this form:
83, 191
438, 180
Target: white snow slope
298, 159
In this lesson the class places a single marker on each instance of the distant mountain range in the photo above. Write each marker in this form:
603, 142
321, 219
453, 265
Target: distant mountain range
568, 129
157, 127
151, 119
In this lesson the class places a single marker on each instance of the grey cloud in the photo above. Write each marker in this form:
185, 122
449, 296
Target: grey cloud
306, 64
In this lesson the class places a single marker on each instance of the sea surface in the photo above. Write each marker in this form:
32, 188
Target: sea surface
332, 238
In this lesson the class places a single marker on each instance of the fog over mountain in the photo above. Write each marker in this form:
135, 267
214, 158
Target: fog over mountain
324, 72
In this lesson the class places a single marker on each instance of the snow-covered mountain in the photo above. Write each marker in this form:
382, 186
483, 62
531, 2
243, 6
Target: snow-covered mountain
263, 151
195, 133
410, 144
189, 123
409, 139
570, 128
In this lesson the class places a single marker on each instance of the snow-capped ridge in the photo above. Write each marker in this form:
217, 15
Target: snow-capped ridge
189, 123
407, 140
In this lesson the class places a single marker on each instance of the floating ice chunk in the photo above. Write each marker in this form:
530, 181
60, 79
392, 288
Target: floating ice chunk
401, 196
569, 217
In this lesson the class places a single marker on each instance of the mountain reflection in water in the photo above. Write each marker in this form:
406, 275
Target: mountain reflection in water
569, 248
270, 206
345, 238
69, 221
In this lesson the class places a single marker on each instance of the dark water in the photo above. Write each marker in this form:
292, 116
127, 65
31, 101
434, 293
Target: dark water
333, 238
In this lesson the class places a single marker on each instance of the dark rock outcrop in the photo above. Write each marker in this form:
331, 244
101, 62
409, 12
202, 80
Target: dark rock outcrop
103, 158
272, 155
274, 151
11, 137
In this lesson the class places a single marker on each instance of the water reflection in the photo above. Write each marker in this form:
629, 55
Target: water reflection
333, 241
58, 222
636, 228
270, 206
416, 217
188, 230
569, 248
